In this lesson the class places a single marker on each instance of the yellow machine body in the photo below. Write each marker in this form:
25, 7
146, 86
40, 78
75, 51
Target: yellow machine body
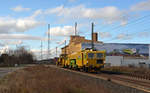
85, 59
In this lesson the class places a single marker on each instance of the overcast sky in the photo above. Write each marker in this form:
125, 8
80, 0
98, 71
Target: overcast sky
25, 22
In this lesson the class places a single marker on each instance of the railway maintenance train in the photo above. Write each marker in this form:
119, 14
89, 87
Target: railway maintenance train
86, 60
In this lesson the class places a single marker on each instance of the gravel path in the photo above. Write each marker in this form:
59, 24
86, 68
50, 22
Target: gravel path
6, 70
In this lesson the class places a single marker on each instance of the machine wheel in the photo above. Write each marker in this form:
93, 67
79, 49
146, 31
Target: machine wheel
85, 69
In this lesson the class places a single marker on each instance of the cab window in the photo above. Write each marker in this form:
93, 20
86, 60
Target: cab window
90, 55
99, 55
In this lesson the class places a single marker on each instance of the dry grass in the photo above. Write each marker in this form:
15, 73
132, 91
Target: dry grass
40, 79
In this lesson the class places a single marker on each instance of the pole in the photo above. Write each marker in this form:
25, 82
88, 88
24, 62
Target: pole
48, 41
75, 28
92, 43
65, 52
41, 50
65, 47
56, 51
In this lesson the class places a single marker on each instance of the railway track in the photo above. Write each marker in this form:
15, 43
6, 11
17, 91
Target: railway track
134, 75
124, 80
129, 81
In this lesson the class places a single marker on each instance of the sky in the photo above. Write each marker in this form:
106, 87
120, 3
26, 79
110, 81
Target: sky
25, 22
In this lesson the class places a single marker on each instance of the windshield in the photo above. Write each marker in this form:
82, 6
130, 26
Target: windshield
90, 55
99, 55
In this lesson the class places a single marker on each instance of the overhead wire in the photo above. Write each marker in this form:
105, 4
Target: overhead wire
132, 34
59, 45
131, 22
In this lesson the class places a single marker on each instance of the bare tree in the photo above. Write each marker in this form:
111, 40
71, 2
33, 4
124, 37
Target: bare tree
18, 56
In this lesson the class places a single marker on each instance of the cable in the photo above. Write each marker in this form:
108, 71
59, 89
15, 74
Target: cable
131, 22
135, 33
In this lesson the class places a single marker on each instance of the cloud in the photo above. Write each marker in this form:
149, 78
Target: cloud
124, 22
10, 42
105, 35
20, 9
35, 14
123, 36
62, 42
141, 6
143, 34
5, 45
9, 25
1, 44
54, 10
37, 53
19, 37
62, 31
4, 49
18, 42
109, 14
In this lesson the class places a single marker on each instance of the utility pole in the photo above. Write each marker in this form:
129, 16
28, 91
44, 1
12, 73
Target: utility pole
48, 41
65, 52
75, 28
56, 51
65, 48
92, 43
41, 50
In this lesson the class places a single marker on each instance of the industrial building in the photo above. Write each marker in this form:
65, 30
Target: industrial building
117, 54
75, 43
